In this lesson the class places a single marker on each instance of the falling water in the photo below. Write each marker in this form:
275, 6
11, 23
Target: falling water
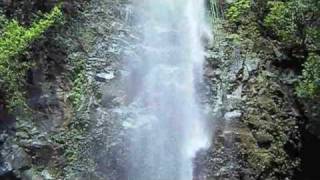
165, 121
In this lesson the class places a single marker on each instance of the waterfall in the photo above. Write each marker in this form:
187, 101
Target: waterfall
165, 122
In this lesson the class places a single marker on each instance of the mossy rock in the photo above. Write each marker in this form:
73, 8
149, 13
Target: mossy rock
264, 139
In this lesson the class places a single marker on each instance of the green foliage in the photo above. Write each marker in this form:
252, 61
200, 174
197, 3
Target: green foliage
293, 24
238, 9
281, 20
79, 87
16, 38
310, 82
214, 9
74, 138
3, 22
14, 41
313, 38
290, 20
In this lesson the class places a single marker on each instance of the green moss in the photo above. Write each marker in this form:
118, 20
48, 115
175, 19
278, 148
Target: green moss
269, 128
79, 84
14, 41
88, 37
260, 159
73, 137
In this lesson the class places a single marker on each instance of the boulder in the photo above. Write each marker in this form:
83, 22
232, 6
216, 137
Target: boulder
103, 77
5, 168
233, 115
251, 64
264, 139
15, 158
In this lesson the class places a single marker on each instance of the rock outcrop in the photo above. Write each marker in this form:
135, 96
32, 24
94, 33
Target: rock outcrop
257, 134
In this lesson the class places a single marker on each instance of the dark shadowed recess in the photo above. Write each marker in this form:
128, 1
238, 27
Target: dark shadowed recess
310, 157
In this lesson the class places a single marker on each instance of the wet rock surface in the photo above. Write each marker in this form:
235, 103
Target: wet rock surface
257, 133
64, 138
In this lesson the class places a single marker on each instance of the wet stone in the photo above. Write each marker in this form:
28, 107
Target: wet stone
5, 168
16, 158
233, 115
103, 77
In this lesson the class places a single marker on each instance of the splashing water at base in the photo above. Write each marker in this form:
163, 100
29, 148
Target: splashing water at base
166, 124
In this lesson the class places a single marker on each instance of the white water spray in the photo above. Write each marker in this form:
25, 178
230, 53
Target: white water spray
167, 126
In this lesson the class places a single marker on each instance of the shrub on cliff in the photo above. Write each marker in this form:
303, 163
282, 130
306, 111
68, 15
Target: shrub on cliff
292, 24
238, 9
14, 41
310, 81
281, 20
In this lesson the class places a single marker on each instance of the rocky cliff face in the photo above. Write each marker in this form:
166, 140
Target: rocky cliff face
30, 147
70, 132
269, 131
257, 134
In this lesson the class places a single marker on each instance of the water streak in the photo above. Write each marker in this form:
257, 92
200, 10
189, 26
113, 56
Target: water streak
167, 126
